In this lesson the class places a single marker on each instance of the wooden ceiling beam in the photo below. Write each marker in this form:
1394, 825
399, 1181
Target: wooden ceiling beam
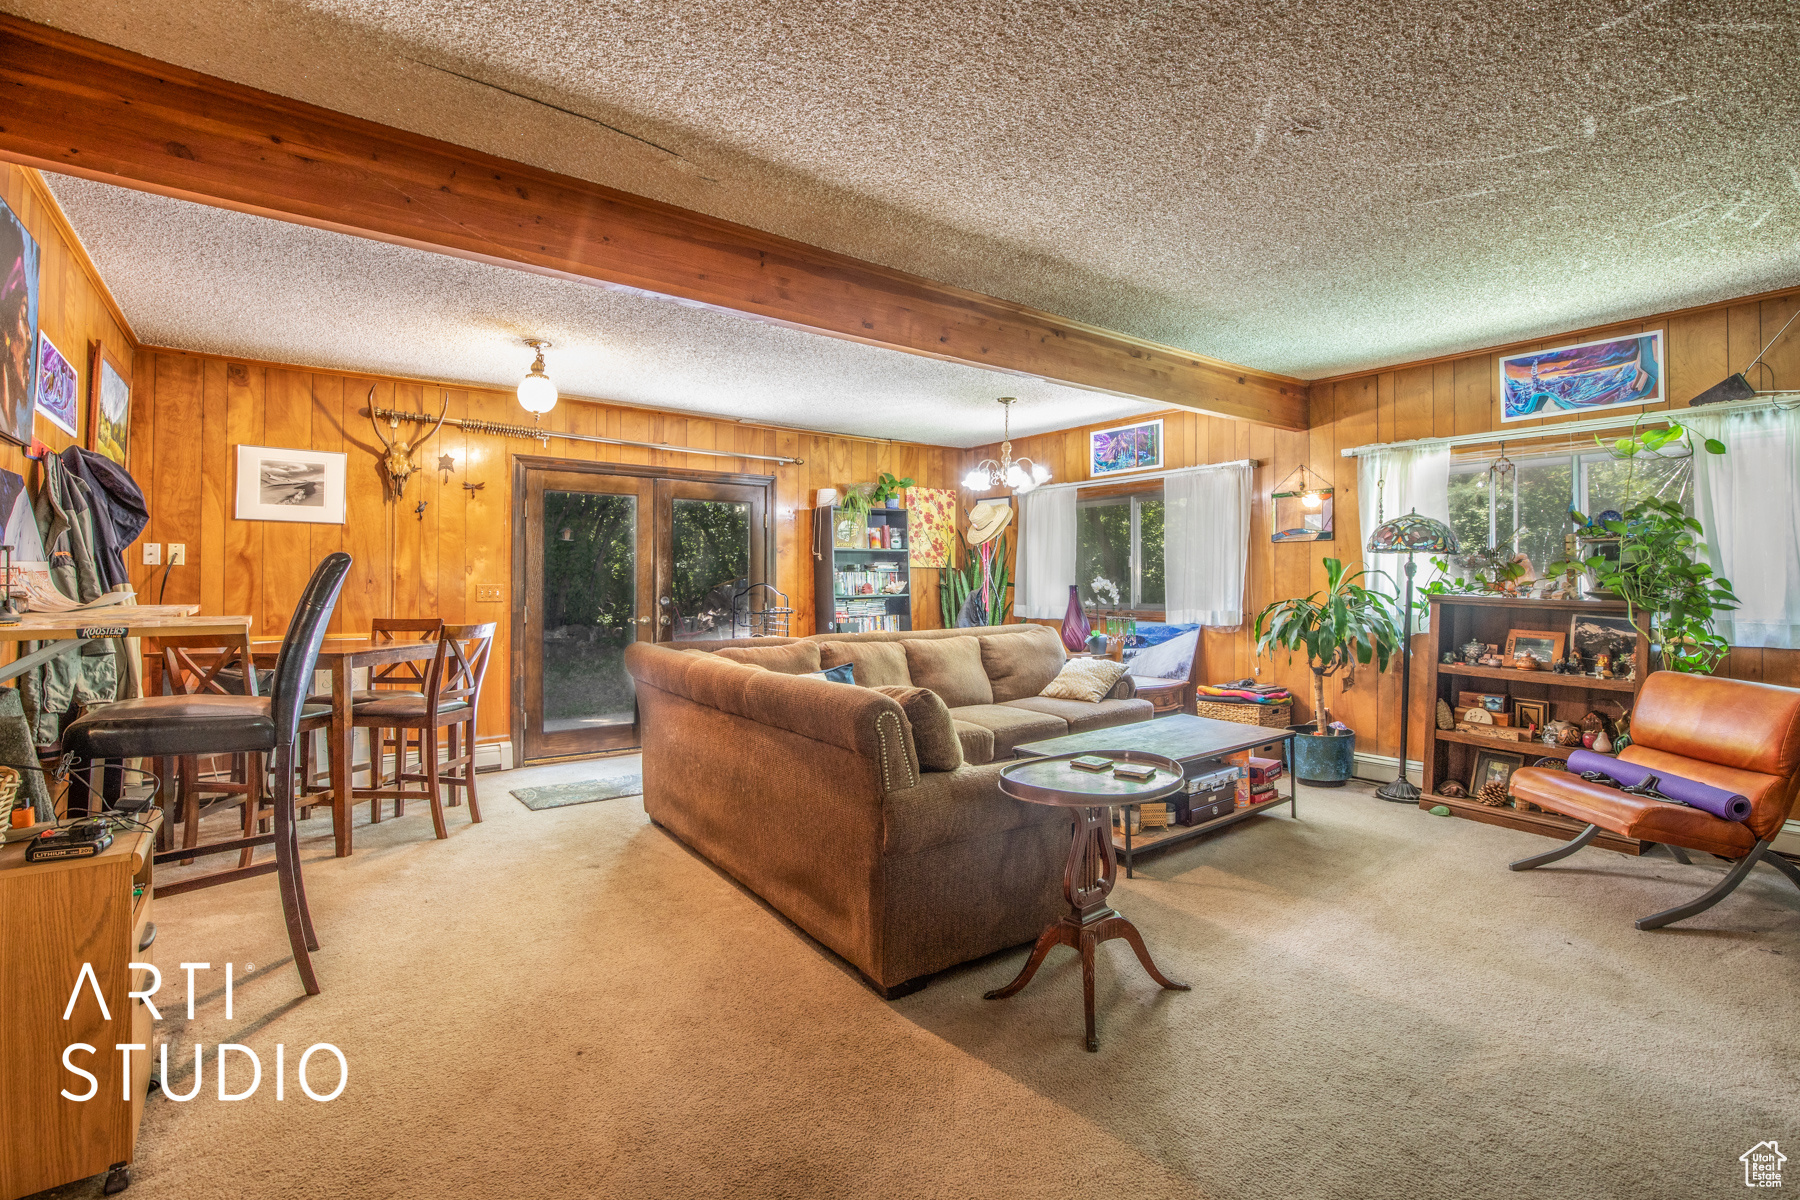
81, 107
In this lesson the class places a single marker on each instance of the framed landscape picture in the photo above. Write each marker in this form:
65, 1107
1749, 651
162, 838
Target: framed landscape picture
1584, 378
109, 406
59, 389
1125, 448
18, 327
1545, 645
279, 484
1590, 635
1493, 766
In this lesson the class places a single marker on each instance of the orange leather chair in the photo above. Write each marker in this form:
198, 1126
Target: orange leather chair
1743, 737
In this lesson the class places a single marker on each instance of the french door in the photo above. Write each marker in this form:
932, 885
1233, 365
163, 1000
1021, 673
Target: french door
608, 555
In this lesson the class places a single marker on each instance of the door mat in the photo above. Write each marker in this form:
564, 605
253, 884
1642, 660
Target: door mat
586, 791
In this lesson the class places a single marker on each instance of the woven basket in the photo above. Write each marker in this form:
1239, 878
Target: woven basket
1270, 716
9, 794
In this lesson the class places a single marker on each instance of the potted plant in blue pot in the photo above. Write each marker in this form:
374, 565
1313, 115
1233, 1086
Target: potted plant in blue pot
1344, 626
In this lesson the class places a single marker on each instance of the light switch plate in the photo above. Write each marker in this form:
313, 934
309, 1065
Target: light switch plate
152, 554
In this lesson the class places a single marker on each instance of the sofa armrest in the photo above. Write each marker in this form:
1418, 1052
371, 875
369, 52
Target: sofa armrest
1125, 689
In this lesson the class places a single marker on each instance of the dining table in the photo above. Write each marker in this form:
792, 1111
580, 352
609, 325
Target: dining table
343, 656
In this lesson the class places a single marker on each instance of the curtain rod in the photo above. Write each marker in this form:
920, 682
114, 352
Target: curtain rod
535, 434
1104, 481
1761, 400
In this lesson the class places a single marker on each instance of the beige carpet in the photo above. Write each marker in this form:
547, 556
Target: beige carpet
570, 1004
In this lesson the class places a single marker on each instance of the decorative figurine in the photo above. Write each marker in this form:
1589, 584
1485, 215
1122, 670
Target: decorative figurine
1472, 651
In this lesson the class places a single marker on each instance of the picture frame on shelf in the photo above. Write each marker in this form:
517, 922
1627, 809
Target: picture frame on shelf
1493, 766
1545, 645
1533, 714
1612, 635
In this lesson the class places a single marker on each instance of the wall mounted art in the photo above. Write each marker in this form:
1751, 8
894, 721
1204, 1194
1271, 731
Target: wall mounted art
1126, 448
1587, 377
931, 523
109, 406
277, 484
18, 327
59, 388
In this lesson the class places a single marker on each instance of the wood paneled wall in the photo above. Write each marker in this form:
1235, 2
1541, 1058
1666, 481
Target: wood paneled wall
191, 411
1435, 398
74, 307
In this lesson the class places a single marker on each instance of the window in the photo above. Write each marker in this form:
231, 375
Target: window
1120, 539
1530, 511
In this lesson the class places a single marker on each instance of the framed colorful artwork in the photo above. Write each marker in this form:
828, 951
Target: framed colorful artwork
275, 484
18, 327
1126, 448
1584, 378
931, 524
59, 388
109, 406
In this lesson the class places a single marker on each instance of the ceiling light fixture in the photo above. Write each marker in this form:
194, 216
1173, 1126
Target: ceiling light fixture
537, 395
1021, 475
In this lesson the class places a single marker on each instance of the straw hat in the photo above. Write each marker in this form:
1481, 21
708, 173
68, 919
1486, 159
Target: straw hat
987, 520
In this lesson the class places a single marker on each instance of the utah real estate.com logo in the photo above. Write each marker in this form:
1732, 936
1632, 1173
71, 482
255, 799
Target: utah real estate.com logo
1762, 1165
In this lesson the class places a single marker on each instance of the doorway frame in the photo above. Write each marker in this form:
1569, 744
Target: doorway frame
523, 466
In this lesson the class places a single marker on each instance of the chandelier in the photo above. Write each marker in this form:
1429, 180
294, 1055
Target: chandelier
1019, 474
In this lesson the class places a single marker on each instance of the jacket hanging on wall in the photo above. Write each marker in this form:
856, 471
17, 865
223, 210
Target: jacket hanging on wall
118, 506
66, 523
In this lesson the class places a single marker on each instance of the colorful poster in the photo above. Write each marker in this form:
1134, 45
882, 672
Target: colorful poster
931, 523
1126, 448
59, 391
18, 326
1583, 378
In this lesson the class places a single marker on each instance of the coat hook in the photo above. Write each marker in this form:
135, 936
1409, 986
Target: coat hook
473, 487
420, 510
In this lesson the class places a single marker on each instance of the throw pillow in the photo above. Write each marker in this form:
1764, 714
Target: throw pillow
843, 674
878, 664
795, 658
934, 734
1085, 679
951, 667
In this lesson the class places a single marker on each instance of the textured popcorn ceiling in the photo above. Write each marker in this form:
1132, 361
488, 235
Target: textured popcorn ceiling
1304, 187
223, 282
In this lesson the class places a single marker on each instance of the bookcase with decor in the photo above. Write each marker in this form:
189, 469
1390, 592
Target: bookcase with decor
1452, 754
851, 584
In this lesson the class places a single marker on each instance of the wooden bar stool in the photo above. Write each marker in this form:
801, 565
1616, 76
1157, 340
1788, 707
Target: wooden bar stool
385, 682
210, 723
451, 700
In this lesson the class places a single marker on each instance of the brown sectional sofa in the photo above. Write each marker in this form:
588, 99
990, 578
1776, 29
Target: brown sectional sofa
813, 795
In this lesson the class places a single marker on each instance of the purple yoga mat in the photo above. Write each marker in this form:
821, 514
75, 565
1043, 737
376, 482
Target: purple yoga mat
1703, 796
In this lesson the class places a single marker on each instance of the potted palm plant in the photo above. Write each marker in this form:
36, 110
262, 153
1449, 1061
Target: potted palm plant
1338, 629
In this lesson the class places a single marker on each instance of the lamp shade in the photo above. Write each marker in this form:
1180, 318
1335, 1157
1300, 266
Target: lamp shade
1412, 534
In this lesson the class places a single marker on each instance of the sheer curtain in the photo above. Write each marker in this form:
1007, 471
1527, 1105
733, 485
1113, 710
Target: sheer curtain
1046, 563
1206, 544
1390, 483
1748, 501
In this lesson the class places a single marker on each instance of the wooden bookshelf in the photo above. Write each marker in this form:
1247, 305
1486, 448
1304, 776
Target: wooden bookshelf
1450, 754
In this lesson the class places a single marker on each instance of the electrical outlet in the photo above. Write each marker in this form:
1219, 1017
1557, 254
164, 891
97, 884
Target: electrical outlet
178, 554
153, 554
487, 595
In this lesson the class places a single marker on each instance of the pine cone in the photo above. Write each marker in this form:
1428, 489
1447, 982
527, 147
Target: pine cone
1493, 794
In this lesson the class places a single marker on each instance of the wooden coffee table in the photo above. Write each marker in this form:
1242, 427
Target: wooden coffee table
1092, 867
1194, 742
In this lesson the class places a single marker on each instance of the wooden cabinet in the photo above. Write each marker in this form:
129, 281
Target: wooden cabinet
53, 918
1450, 754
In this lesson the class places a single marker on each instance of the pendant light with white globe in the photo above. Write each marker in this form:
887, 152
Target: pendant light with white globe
537, 395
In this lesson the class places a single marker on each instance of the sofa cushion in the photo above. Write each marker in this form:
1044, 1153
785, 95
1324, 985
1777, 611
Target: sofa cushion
1083, 715
934, 734
1023, 663
1085, 679
1010, 726
977, 740
795, 658
952, 668
878, 664
843, 674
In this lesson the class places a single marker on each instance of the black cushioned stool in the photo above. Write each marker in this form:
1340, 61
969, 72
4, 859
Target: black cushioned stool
176, 726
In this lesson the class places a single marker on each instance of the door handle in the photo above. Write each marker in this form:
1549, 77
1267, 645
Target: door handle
665, 621
643, 620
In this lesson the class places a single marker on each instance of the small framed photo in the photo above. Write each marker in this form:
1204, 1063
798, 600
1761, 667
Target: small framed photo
1125, 448
1493, 766
275, 484
109, 405
59, 390
1531, 713
1610, 635
1545, 645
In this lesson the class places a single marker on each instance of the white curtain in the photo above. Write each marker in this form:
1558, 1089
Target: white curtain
1206, 544
1748, 501
1391, 483
1046, 563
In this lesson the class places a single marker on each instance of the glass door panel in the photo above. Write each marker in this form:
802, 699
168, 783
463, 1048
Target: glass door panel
711, 550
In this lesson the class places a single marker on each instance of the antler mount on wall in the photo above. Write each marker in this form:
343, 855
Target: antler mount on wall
397, 461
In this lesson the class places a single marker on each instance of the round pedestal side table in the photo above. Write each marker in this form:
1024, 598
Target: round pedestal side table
1092, 867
